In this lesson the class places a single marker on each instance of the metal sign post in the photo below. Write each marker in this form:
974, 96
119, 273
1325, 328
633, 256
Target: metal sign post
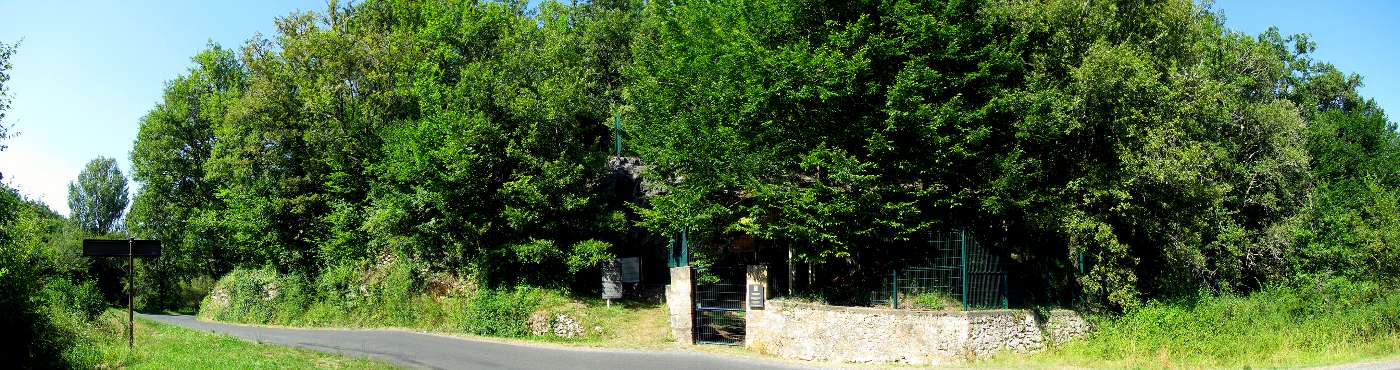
129, 248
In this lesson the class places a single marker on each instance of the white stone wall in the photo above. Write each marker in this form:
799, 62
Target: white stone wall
873, 335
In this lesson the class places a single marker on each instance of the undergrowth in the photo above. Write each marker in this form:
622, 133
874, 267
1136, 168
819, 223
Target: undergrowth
1304, 323
397, 293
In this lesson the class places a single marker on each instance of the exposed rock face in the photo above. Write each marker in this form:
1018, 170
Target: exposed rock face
626, 176
872, 335
218, 298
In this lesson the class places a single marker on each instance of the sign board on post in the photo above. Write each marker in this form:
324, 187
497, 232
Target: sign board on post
631, 269
130, 248
121, 248
755, 296
612, 280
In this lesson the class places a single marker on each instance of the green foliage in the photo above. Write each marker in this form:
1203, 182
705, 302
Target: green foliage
6, 51
1125, 150
387, 294
1300, 323
177, 203
932, 301
63, 294
501, 313
43, 311
99, 196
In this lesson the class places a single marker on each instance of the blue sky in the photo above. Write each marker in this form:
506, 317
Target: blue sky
1360, 37
88, 70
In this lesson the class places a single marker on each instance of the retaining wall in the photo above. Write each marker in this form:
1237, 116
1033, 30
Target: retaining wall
860, 334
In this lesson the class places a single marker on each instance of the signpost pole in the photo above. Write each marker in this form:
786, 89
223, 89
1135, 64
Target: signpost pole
134, 248
130, 275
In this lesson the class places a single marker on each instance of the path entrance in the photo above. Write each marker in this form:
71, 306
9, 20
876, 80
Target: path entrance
719, 304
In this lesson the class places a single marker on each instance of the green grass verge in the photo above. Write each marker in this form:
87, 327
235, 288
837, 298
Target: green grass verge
1313, 323
161, 346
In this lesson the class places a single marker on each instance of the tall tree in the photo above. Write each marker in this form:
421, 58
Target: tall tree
99, 196
6, 51
176, 203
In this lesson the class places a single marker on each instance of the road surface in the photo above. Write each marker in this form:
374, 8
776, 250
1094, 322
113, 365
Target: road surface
429, 351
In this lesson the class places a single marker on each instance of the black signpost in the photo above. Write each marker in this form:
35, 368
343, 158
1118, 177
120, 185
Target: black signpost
130, 248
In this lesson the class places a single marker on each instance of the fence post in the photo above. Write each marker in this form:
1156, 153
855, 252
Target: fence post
617, 134
685, 246
756, 283
962, 235
894, 291
680, 302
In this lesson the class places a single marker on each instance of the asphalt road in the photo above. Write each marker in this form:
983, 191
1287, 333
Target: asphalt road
429, 351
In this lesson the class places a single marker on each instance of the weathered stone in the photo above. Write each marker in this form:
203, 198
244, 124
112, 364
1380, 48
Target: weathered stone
873, 335
539, 323
218, 298
566, 327
680, 304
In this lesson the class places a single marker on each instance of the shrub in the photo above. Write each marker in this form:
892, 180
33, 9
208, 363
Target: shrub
501, 313
84, 299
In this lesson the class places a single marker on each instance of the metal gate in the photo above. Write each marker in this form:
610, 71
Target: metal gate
719, 305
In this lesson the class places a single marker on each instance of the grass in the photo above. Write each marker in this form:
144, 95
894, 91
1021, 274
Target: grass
626, 324
161, 346
1315, 323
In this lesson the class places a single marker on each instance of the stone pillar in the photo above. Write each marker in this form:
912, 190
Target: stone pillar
755, 298
680, 301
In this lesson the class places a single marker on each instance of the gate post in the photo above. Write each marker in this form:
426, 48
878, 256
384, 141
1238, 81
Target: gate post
680, 301
755, 298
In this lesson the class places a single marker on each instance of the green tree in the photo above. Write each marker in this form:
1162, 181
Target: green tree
176, 203
99, 196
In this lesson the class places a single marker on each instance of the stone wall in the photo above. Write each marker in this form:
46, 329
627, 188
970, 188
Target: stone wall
860, 334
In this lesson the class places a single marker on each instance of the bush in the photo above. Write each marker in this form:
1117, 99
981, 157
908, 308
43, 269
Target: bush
244, 295
61, 294
501, 313
390, 293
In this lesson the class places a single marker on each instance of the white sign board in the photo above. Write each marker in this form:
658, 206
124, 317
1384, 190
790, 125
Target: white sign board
612, 280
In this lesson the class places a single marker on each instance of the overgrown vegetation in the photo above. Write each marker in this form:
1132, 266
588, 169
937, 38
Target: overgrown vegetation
1304, 322
393, 293
46, 297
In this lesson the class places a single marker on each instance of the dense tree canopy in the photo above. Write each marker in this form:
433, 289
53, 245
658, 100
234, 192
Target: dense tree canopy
1121, 150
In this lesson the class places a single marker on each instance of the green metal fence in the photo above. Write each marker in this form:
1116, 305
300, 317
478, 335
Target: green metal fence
960, 274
